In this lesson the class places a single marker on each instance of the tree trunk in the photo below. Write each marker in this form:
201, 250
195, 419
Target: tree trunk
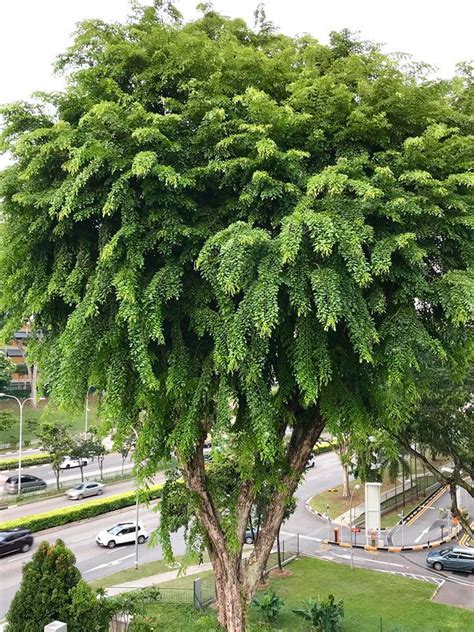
56, 474
34, 386
81, 467
236, 578
345, 481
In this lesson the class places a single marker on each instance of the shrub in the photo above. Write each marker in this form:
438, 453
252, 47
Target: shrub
323, 446
325, 616
269, 604
27, 461
44, 593
58, 517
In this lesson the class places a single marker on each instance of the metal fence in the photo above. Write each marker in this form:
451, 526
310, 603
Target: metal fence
202, 592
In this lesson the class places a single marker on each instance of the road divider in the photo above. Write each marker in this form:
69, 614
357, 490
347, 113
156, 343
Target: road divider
28, 460
90, 509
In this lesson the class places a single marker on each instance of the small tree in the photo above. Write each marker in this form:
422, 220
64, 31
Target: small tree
56, 439
45, 590
88, 610
6, 370
82, 449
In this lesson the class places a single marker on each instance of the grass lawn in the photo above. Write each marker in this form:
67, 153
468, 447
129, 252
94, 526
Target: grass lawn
370, 597
32, 418
391, 518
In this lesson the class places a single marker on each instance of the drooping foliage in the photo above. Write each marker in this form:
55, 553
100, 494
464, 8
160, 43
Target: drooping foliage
238, 234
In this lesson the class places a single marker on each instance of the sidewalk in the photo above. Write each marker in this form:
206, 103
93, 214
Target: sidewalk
157, 579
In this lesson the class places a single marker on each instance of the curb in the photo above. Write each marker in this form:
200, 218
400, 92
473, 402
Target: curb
396, 549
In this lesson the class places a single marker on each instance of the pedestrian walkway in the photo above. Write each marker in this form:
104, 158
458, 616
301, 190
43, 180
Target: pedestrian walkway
161, 578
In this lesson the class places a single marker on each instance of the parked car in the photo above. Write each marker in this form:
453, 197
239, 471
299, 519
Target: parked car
121, 533
89, 488
452, 559
69, 462
249, 536
13, 540
29, 483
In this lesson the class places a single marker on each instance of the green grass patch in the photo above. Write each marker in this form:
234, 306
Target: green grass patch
33, 417
332, 502
371, 599
391, 518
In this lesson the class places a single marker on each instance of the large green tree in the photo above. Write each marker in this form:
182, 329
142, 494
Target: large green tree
238, 234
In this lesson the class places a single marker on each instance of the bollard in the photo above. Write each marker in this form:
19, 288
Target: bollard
55, 626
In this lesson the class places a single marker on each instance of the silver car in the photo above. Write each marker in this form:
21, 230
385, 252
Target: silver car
82, 490
452, 559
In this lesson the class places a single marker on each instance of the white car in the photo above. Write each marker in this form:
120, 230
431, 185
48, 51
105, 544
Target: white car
83, 490
69, 462
121, 533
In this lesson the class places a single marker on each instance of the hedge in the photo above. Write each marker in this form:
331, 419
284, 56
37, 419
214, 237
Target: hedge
323, 446
58, 517
28, 460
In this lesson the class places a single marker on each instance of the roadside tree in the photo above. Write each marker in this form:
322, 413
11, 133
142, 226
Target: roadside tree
238, 233
56, 440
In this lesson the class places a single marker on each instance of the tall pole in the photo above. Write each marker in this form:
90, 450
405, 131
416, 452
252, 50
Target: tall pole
20, 436
86, 416
350, 524
20, 443
137, 507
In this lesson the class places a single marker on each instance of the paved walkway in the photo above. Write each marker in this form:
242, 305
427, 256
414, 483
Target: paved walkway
152, 580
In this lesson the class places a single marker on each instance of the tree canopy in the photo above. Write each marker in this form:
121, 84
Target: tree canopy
238, 234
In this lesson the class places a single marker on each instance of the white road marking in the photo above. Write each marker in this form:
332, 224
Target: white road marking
87, 537
113, 563
16, 558
305, 537
421, 535
369, 561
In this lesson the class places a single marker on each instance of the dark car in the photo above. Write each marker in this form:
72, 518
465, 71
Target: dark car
29, 483
250, 536
13, 540
452, 559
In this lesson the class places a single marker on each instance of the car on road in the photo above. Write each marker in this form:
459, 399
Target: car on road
452, 559
121, 533
29, 483
311, 462
83, 490
14, 540
69, 462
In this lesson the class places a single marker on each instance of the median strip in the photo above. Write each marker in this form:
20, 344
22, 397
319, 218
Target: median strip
59, 517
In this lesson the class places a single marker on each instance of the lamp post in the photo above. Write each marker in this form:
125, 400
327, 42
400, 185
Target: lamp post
21, 403
86, 417
137, 505
350, 524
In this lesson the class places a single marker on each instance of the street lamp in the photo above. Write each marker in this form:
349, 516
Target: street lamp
87, 409
21, 403
350, 524
137, 505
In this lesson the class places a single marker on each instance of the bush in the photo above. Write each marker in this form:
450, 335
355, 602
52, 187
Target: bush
27, 461
58, 517
269, 604
325, 616
323, 446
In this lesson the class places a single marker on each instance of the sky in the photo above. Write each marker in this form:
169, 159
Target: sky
33, 32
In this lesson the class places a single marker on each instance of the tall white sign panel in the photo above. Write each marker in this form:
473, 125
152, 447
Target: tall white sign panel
372, 511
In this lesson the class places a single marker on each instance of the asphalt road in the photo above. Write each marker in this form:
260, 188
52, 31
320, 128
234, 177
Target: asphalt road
112, 465
95, 562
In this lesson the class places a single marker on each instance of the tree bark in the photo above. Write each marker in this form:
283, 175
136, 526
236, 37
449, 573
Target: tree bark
236, 578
